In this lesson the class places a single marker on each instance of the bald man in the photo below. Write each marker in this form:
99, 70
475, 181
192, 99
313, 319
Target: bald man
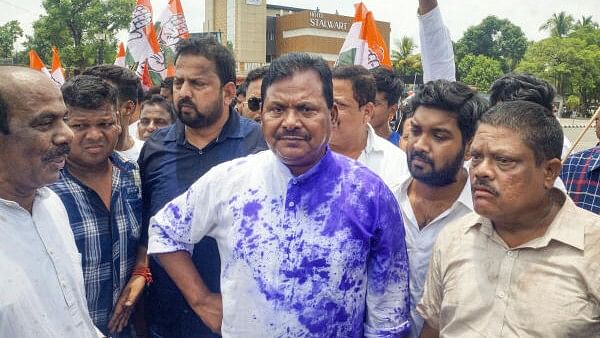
39, 262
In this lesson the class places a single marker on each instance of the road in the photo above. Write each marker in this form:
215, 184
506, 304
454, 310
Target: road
573, 127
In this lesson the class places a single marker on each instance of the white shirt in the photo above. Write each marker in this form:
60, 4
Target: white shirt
41, 281
133, 153
317, 255
437, 53
384, 159
419, 242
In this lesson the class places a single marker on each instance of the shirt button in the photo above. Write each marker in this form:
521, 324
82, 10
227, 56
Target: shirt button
511, 254
501, 295
291, 204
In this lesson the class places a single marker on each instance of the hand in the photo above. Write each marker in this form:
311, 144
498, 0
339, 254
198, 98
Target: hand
211, 311
425, 6
126, 303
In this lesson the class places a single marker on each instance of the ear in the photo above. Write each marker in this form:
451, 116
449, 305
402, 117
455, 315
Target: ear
334, 115
551, 171
367, 110
127, 108
392, 111
228, 93
468, 150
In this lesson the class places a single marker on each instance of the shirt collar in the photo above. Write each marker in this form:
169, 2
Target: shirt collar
568, 227
324, 165
231, 129
372, 144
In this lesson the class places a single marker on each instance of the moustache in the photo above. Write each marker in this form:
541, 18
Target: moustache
480, 184
187, 102
420, 155
59, 151
292, 134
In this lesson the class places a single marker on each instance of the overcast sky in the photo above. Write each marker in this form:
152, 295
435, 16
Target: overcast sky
458, 14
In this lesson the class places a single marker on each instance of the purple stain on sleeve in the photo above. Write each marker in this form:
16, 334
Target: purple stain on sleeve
174, 209
251, 209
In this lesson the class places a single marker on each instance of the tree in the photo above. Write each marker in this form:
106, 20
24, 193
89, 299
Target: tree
559, 24
585, 21
81, 29
572, 102
495, 38
9, 33
403, 59
479, 71
571, 64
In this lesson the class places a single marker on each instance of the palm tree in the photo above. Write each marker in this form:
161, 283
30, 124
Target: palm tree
586, 21
559, 24
403, 58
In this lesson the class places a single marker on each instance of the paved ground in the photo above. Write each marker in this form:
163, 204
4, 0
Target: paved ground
573, 127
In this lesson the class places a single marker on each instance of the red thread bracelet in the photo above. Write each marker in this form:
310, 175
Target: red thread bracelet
144, 272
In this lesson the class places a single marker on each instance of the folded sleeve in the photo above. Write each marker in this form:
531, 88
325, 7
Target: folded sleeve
437, 53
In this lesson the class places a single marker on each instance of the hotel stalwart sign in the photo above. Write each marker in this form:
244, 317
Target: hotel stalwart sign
318, 20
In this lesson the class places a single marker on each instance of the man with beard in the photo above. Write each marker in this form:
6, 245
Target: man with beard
525, 263
101, 191
206, 133
437, 191
42, 285
311, 242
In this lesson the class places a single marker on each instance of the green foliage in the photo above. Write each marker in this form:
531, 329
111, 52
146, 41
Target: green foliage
479, 71
572, 64
403, 59
9, 32
496, 38
559, 25
82, 30
572, 102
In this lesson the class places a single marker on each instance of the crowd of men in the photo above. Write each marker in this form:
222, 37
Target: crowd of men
288, 207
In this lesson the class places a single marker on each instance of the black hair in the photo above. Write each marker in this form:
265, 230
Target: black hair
363, 83
89, 92
388, 82
289, 64
536, 125
126, 81
455, 98
241, 89
159, 100
167, 83
255, 74
212, 50
525, 87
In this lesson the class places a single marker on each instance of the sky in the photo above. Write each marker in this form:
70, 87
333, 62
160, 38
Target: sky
458, 14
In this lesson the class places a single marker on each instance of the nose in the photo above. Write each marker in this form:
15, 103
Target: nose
184, 90
151, 127
64, 135
482, 168
290, 119
418, 142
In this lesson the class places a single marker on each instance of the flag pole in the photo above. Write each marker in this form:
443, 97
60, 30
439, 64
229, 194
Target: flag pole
589, 124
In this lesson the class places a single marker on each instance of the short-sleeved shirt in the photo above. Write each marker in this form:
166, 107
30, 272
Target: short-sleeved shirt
169, 165
107, 239
548, 287
316, 255
581, 175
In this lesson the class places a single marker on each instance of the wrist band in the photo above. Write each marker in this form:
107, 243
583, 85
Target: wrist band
144, 272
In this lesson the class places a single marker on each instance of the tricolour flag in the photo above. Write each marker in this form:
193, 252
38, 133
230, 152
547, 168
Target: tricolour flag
364, 44
142, 45
171, 28
120, 59
57, 73
36, 62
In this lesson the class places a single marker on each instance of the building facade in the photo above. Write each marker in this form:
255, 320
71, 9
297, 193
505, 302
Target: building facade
258, 32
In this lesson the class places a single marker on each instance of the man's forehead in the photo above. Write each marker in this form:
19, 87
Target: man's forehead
302, 85
194, 65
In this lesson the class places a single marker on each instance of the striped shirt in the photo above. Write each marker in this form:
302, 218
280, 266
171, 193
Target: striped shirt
581, 174
107, 239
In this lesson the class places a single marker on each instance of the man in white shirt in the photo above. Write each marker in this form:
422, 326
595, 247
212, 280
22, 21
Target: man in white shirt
354, 90
437, 191
311, 242
40, 269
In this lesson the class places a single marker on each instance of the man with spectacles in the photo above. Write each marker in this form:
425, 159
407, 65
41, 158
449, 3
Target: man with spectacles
251, 107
